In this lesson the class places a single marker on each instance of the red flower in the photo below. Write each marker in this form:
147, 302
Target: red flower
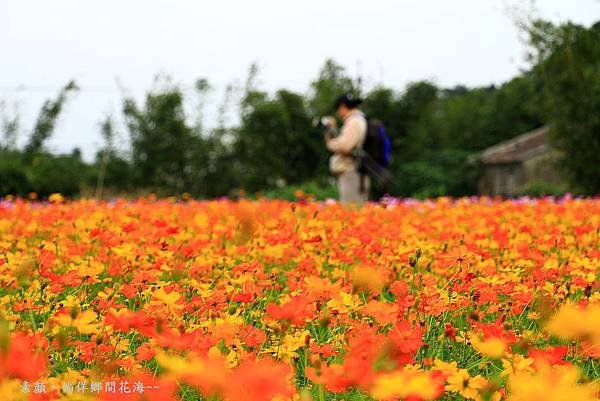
261, 380
244, 297
296, 311
407, 339
495, 330
450, 331
549, 355
125, 320
24, 349
251, 336
325, 350
144, 353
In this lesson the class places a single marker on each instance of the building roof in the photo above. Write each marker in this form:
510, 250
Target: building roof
519, 148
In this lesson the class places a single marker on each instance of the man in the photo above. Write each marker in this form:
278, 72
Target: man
353, 186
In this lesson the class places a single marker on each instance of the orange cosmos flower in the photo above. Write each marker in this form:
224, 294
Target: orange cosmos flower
367, 279
296, 310
20, 357
408, 385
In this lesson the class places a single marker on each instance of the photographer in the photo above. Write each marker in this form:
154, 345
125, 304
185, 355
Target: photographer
353, 186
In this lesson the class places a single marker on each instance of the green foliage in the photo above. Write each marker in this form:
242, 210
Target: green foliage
47, 118
318, 190
276, 143
544, 189
111, 173
435, 131
63, 174
33, 170
274, 149
163, 144
9, 126
13, 178
331, 82
567, 60
44, 174
443, 173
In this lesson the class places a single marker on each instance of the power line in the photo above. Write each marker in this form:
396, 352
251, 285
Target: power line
46, 89
92, 88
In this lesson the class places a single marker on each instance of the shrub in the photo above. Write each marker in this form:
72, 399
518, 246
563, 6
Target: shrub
13, 179
540, 188
319, 190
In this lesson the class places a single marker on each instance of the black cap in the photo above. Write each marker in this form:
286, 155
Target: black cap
347, 99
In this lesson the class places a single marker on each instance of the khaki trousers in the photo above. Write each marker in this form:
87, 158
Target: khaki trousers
349, 188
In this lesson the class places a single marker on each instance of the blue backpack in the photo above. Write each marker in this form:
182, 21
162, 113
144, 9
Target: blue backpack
378, 145
376, 153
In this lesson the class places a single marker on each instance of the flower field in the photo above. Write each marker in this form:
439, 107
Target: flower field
157, 300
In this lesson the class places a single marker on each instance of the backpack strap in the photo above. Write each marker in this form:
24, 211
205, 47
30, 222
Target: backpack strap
362, 181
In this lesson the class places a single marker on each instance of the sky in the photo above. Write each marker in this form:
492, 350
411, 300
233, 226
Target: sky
117, 47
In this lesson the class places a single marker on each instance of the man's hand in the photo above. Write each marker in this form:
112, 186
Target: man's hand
331, 128
331, 122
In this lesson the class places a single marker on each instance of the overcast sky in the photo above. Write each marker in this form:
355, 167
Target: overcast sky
44, 44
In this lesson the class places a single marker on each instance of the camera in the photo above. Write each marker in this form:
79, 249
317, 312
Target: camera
321, 122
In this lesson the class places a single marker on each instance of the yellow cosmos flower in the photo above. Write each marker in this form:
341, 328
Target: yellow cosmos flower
84, 322
204, 289
175, 365
90, 268
5, 300
344, 302
448, 368
338, 274
12, 390
493, 347
469, 387
517, 364
287, 349
71, 301
192, 367
56, 198
275, 252
402, 384
231, 358
365, 278
70, 376
551, 384
574, 323
169, 300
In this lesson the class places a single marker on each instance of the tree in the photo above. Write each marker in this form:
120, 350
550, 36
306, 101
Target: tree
14, 179
63, 174
276, 143
567, 58
414, 109
331, 82
163, 144
10, 126
107, 132
47, 118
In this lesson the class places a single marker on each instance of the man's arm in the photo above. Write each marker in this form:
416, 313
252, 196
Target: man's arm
349, 138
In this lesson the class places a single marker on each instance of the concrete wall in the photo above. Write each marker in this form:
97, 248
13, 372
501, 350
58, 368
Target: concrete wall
543, 168
511, 179
502, 179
